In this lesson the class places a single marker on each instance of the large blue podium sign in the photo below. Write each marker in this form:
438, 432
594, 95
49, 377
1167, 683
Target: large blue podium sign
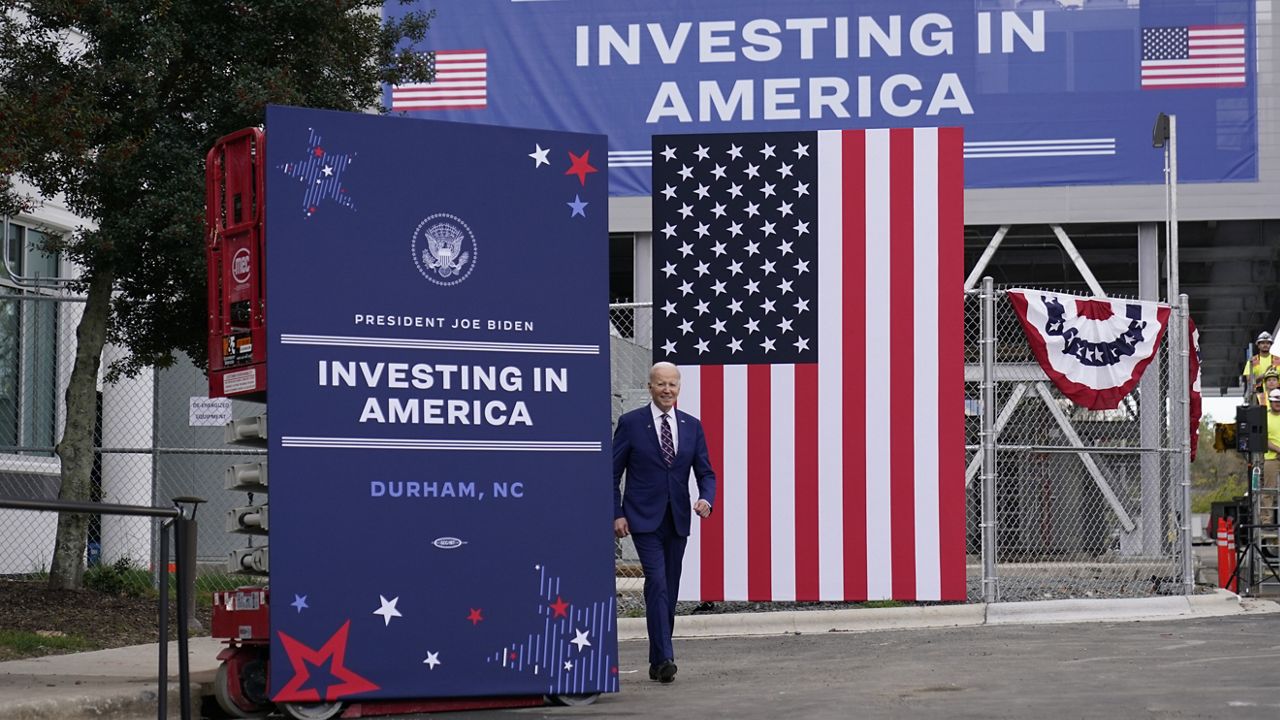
1049, 92
439, 410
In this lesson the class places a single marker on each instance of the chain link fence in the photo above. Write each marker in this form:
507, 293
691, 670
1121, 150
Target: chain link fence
1081, 503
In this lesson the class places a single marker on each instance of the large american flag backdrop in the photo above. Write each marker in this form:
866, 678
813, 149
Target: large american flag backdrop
809, 287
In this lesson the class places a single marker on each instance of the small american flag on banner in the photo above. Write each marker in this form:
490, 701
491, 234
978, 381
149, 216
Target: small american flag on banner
809, 287
1199, 56
461, 81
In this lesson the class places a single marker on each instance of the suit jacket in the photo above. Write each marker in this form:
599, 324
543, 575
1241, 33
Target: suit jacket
651, 485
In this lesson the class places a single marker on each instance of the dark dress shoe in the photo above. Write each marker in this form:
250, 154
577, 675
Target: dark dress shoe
666, 672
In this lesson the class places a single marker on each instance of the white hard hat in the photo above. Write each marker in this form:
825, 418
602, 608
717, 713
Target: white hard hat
1264, 336
1274, 395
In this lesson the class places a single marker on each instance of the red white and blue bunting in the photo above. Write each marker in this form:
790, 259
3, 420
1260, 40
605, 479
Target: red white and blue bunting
1094, 350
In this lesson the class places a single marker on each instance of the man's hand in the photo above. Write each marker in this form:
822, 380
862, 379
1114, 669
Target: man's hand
703, 508
620, 527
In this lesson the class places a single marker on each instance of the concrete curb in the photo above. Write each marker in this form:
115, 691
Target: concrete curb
1219, 603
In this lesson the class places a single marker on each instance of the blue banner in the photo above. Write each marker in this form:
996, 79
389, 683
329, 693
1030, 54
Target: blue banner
1049, 92
439, 405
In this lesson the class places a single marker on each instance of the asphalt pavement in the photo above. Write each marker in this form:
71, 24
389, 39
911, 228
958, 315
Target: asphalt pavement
1178, 657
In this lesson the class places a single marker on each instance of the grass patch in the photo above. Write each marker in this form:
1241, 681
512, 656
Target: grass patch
883, 604
24, 644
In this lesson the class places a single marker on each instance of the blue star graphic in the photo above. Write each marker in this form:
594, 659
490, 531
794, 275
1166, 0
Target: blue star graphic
320, 174
579, 207
299, 602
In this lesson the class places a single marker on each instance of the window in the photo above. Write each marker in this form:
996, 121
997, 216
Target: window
28, 343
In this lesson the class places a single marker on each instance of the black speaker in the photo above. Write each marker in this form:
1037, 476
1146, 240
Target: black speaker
1251, 428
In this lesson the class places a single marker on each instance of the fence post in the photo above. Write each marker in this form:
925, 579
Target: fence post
987, 443
1184, 457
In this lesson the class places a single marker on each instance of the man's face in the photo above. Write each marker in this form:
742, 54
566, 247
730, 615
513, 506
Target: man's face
1275, 406
664, 387
1264, 347
1271, 382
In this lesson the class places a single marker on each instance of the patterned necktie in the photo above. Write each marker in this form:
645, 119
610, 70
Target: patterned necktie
668, 447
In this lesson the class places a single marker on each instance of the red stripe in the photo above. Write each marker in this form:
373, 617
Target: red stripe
1190, 86
902, 334
951, 500
853, 375
806, 444
759, 517
712, 528
437, 107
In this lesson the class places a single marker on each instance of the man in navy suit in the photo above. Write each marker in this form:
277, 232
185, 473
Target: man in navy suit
657, 446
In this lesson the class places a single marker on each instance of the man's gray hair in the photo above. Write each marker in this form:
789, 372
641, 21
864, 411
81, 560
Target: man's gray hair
663, 365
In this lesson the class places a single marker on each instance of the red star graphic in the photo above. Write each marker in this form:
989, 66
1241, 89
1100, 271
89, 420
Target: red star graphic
580, 166
336, 648
614, 670
560, 608
475, 617
319, 152
513, 655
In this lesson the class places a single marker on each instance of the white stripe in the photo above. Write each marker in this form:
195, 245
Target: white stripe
878, 402
925, 310
475, 346
1003, 143
452, 74
412, 104
1038, 154
1220, 70
734, 500
1228, 42
1216, 32
782, 477
433, 93
830, 360
407, 444
1222, 80
454, 56
1035, 148
691, 575
438, 85
644, 163
1147, 65
645, 153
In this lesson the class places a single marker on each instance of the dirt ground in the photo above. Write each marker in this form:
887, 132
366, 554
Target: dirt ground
98, 619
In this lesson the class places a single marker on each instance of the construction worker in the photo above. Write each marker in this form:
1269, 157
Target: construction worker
1271, 460
1269, 381
1260, 362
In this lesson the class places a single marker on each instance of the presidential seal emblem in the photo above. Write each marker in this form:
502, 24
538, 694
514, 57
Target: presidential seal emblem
444, 249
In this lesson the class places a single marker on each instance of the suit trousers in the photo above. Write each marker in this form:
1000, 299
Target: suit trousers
661, 554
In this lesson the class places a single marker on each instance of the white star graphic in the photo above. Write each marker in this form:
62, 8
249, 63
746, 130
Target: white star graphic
702, 268
802, 228
801, 305
752, 326
785, 209
702, 191
702, 307
718, 248
701, 345
701, 152
686, 249
753, 171
735, 229
802, 267
718, 326
686, 287
784, 287
327, 170
669, 153
718, 287
735, 306
539, 155
669, 268
784, 247
767, 306
735, 151
785, 325
784, 170
580, 639
686, 327
686, 210
753, 248
669, 230
767, 229
735, 267
753, 287
767, 190
718, 171
801, 150
670, 192
768, 267
802, 344
768, 345
388, 609
718, 210
752, 209
802, 189
735, 190
669, 308
767, 150
433, 659
686, 172
568, 664
703, 230
735, 345
669, 347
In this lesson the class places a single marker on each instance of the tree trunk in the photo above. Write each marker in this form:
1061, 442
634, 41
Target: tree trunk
76, 446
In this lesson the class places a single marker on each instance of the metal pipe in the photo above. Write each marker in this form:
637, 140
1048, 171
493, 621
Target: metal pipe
140, 451
91, 508
181, 537
1188, 569
990, 582
162, 679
